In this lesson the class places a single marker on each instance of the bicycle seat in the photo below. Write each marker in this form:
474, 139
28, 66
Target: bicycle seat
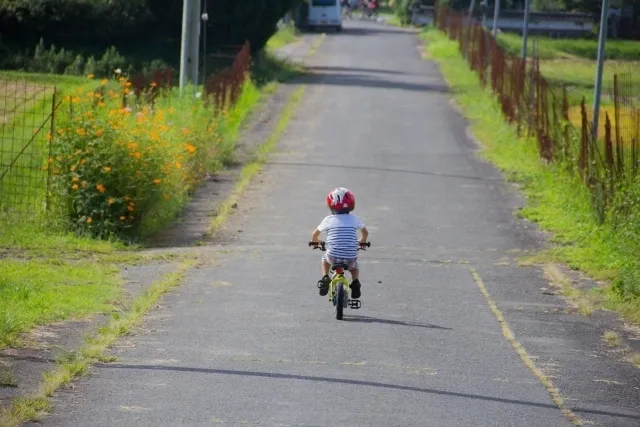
343, 266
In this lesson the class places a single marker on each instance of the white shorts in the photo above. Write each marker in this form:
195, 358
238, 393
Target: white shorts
352, 263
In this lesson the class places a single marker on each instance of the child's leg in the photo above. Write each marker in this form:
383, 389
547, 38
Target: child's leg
323, 284
325, 267
355, 282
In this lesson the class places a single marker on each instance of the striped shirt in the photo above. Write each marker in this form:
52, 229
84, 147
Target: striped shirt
341, 233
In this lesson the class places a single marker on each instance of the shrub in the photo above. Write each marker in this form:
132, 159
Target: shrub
114, 167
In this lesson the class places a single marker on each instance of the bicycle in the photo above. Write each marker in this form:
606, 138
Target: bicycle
339, 287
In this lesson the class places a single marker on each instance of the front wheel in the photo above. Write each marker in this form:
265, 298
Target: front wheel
341, 294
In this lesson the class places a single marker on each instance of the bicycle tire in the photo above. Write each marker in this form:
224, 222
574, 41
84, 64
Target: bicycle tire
340, 296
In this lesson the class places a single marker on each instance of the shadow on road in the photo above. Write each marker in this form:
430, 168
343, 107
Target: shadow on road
367, 168
344, 79
367, 319
273, 375
354, 70
371, 30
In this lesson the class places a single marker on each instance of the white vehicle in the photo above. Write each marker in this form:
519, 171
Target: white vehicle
325, 13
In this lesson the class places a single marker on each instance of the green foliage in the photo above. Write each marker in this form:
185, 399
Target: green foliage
128, 171
61, 61
401, 8
86, 26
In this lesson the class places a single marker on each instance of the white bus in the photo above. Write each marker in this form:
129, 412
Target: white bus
325, 13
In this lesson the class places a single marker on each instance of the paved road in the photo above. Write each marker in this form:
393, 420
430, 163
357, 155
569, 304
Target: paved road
248, 341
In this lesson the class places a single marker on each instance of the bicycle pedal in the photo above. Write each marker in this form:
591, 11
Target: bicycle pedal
355, 304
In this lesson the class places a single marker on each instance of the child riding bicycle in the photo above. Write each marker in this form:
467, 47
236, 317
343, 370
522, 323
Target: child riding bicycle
341, 229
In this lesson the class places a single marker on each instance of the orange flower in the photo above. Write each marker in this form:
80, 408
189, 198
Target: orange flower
73, 168
80, 131
74, 187
190, 148
99, 133
111, 201
89, 220
90, 76
75, 179
156, 181
178, 165
137, 154
122, 218
131, 208
104, 82
84, 184
100, 188
185, 131
132, 145
107, 169
83, 161
154, 84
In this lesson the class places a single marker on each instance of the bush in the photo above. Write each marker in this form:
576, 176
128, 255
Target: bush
63, 61
127, 171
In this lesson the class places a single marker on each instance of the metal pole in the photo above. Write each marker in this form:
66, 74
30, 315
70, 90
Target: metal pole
190, 42
485, 6
525, 28
496, 13
205, 19
195, 41
602, 39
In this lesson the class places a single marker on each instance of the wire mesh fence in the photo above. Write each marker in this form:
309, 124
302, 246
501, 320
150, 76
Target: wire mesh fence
540, 109
27, 113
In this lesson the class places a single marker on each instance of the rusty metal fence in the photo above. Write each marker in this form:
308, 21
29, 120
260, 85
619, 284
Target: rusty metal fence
541, 110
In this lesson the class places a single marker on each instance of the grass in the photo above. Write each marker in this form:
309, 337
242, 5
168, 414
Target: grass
34, 292
552, 48
611, 338
7, 379
557, 201
32, 408
287, 34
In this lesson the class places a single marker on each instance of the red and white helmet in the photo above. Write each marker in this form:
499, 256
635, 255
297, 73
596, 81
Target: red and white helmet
341, 200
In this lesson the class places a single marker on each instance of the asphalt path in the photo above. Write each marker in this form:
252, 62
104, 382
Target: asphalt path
248, 341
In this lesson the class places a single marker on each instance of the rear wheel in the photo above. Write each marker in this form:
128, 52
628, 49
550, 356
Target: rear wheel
341, 294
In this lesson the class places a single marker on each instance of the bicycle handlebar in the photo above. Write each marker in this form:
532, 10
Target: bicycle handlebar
322, 245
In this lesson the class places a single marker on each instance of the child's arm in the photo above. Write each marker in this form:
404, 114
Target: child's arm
365, 235
315, 236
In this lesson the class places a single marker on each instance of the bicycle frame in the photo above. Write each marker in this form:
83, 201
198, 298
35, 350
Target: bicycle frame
336, 278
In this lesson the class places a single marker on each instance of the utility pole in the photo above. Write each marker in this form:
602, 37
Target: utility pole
485, 6
496, 13
525, 28
205, 20
190, 49
602, 39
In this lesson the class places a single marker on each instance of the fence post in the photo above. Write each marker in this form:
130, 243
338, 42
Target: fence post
47, 201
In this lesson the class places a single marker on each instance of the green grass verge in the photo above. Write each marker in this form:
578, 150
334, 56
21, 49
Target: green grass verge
557, 201
285, 35
26, 409
34, 292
